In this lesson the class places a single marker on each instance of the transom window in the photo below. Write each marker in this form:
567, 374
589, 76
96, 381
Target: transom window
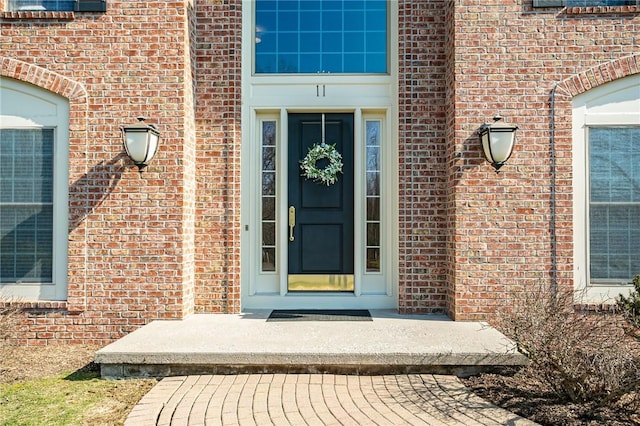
321, 36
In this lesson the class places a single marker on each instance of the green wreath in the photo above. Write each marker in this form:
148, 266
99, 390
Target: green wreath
327, 175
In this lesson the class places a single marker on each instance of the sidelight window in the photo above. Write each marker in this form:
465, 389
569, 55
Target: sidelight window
268, 198
373, 222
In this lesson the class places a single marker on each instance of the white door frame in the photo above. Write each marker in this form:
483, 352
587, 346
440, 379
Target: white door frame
273, 97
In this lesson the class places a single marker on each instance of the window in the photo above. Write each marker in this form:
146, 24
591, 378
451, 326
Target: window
268, 209
606, 183
34, 128
584, 3
37, 5
26, 205
58, 5
614, 203
321, 36
373, 162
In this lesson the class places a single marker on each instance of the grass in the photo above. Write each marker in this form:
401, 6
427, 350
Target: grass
68, 398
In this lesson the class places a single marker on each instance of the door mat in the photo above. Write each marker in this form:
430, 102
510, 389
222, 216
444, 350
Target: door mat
320, 315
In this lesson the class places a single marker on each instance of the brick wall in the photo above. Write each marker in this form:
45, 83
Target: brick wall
218, 50
130, 248
167, 243
514, 230
421, 106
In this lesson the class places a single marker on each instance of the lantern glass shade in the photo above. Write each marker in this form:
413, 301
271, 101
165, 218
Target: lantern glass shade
140, 142
498, 140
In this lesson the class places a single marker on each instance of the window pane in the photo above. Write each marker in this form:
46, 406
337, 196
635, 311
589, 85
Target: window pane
373, 183
373, 208
373, 234
268, 208
373, 260
306, 36
269, 234
268, 259
268, 183
26, 247
614, 212
614, 168
35, 5
583, 3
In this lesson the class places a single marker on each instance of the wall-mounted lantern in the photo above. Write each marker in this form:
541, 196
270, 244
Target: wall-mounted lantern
141, 142
498, 140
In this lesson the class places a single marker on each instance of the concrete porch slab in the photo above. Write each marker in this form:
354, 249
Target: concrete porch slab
231, 343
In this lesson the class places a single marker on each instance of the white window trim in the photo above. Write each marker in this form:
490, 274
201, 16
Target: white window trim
37, 109
613, 104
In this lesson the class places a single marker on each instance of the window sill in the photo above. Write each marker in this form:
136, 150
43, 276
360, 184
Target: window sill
36, 305
19, 15
601, 10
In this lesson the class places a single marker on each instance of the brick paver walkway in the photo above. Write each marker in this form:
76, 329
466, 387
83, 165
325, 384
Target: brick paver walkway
316, 399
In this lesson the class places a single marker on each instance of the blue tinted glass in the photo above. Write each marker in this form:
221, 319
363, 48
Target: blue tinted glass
354, 42
354, 4
263, 5
310, 21
332, 21
288, 43
376, 62
310, 62
307, 4
376, 19
266, 63
354, 21
288, 63
287, 4
377, 42
310, 42
354, 61
311, 36
332, 62
332, 42
288, 21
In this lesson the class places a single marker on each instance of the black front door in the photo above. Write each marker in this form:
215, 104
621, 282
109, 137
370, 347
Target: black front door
321, 233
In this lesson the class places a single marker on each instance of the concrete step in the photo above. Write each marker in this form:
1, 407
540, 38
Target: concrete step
246, 343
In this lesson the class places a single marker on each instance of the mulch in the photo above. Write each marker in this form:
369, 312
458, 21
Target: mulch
524, 395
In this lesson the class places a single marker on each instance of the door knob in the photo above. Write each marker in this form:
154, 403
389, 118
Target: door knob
292, 222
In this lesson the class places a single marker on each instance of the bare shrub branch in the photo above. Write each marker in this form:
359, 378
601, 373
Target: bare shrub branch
582, 355
630, 309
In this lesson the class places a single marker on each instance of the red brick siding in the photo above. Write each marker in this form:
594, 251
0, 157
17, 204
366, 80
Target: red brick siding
218, 70
167, 243
130, 249
421, 107
509, 231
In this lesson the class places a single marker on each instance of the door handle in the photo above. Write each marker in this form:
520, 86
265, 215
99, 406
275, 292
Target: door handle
292, 222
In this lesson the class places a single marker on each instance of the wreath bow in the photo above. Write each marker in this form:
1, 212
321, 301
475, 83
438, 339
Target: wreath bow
327, 175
